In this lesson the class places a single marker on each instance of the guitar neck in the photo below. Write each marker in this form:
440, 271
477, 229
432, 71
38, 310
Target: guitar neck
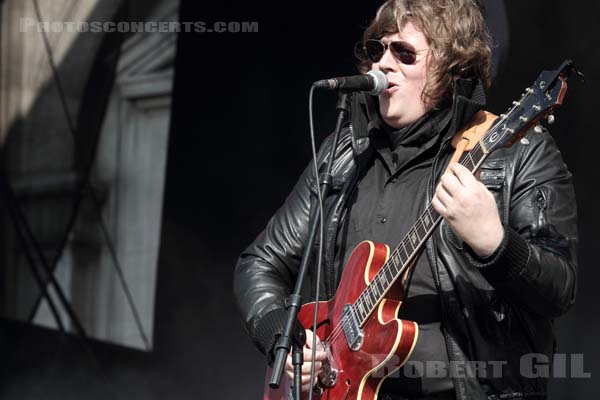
410, 246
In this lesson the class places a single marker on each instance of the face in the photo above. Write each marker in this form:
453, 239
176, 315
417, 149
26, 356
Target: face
401, 104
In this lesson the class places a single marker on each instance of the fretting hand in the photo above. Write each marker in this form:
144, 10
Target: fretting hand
470, 210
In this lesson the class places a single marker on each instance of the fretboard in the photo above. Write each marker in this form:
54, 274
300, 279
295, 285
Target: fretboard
408, 248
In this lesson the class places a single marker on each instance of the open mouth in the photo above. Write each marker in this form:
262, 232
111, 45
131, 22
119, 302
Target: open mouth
392, 87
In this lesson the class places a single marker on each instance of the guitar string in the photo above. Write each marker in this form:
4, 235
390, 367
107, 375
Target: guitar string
370, 289
337, 330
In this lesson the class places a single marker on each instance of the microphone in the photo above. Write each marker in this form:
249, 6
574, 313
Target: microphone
373, 82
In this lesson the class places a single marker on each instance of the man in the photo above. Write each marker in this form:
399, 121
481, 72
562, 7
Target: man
502, 264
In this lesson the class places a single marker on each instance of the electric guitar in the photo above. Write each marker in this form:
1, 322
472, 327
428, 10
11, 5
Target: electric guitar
364, 340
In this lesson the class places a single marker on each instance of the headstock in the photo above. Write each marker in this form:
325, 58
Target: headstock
538, 101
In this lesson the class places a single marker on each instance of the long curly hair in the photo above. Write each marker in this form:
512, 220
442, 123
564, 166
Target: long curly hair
456, 33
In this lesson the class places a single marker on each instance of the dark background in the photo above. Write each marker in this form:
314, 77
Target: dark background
239, 140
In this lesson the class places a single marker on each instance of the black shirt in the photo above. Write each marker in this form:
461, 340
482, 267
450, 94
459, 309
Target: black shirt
387, 201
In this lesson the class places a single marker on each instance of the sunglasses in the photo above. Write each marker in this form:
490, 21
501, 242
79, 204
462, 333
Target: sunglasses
373, 50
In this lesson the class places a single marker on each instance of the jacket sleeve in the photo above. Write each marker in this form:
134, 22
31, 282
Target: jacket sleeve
266, 271
536, 263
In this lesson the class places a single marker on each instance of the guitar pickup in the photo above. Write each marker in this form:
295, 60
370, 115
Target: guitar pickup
354, 335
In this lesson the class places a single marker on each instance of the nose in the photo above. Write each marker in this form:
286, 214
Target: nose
387, 63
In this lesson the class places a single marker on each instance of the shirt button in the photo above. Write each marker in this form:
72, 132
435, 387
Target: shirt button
383, 220
393, 180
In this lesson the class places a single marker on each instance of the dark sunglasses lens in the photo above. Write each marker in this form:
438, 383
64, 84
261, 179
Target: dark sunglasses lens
374, 50
360, 52
403, 52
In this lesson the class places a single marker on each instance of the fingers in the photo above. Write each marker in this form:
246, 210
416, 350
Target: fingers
305, 371
306, 387
305, 378
451, 183
438, 206
465, 176
443, 196
456, 186
305, 366
320, 353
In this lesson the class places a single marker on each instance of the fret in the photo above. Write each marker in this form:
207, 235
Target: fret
397, 264
385, 273
367, 308
380, 285
413, 239
389, 274
472, 161
372, 300
408, 249
432, 213
374, 291
425, 221
374, 294
478, 154
421, 231
396, 260
467, 161
361, 309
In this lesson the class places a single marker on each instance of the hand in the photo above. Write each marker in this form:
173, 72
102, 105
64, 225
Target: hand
470, 210
319, 357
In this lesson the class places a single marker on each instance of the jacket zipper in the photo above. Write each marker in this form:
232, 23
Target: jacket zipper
334, 234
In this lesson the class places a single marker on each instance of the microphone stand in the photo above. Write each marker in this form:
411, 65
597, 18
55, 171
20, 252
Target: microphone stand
297, 338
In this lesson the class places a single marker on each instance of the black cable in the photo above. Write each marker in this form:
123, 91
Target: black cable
86, 185
321, 235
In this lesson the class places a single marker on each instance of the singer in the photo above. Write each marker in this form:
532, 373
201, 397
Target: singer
499, 268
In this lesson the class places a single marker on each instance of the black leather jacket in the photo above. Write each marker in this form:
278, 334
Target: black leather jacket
495, 311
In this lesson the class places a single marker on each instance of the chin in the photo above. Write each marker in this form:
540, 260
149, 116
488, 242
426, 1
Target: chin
395, 121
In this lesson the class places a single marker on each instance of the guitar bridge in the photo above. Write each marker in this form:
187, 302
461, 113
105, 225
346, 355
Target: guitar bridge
354, 335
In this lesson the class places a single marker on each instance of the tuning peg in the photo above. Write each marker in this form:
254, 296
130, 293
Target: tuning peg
537, 129
550, 119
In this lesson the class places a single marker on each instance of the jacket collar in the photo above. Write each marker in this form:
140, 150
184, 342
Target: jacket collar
467, 99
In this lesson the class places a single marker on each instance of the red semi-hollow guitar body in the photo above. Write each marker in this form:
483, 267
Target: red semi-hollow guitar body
388, 341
